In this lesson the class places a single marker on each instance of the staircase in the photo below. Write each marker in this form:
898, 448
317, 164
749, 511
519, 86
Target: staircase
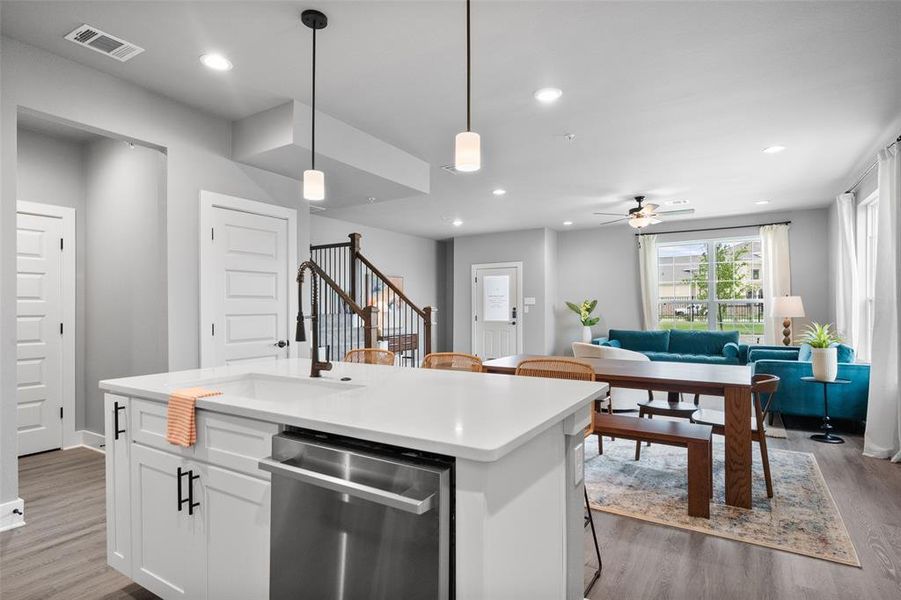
360, 307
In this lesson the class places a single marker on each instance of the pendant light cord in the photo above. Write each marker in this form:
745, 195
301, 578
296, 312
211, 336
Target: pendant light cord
313, 112
468, 74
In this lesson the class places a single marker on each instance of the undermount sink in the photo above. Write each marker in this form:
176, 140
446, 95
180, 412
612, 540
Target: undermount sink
261, 386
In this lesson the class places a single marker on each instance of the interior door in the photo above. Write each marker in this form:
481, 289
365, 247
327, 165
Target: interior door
248, 273
38, 333
496, 315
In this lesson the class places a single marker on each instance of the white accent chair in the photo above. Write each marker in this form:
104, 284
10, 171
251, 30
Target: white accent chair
623, 398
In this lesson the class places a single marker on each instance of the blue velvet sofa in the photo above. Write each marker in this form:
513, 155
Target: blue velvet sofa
796, 397
712, 347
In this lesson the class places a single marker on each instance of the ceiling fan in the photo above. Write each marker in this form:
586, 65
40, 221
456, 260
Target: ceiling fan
644, 214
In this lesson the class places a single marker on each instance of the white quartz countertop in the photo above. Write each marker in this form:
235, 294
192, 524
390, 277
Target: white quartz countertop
475, 416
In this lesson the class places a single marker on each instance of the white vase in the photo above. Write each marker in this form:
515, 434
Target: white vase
825, 363
586, 334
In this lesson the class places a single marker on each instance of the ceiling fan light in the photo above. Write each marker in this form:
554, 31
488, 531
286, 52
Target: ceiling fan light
468, 152
313, 185
639, 222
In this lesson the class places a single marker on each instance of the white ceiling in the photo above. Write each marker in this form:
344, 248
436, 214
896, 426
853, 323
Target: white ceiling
674, 100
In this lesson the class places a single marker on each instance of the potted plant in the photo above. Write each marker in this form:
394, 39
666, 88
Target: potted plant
584, 311
821, 339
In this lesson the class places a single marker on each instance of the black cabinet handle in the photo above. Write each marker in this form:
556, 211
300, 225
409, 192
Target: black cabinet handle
191, 504
179, 492
190, 499
116, 430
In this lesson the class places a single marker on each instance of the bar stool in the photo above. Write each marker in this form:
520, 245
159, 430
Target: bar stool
370, 356
452, 361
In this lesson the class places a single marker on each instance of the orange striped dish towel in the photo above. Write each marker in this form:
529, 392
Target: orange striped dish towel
181, 424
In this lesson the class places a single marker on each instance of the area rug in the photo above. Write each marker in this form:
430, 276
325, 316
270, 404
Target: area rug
801, 518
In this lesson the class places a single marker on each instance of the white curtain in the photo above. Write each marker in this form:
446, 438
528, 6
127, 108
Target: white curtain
647, 269
776, 267
883, 434
847, 285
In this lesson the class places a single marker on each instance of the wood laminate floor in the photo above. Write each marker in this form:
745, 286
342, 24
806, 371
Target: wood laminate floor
60, 553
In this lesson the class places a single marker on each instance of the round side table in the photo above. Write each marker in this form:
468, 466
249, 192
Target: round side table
827, 437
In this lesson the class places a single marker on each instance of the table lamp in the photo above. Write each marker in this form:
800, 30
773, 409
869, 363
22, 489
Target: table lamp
787, 307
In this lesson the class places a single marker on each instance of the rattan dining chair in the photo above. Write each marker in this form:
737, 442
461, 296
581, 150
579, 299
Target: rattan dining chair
452, 361
370, 356
763, 389
567, 368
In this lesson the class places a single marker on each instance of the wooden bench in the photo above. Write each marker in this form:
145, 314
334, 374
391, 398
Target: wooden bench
696, 438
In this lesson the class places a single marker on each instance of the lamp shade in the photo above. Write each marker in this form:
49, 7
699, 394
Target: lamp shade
313, 185
787, 306
468, 152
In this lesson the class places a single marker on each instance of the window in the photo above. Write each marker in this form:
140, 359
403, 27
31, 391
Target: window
867, 220
711, 285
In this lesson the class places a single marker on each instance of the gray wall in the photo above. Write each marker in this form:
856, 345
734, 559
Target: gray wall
124, 248
51, 171
198, 147
395, 254
603, 264
529, 247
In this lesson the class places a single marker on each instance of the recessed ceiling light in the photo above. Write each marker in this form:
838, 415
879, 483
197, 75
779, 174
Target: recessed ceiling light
548, 95
499, 192
773, 149
762, 202
457, 222
217, 62
678, 202
567, 223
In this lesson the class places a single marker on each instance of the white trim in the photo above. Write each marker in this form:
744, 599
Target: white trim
208, 202
9, 519
520, 330
87, 439
67, 299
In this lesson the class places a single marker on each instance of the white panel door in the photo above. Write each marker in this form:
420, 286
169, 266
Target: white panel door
248, 277
38, 335
495, 315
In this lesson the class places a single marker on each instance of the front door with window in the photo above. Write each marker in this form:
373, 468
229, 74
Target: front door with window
38, 336
495, 312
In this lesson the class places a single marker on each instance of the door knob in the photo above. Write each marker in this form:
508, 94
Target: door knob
281, 343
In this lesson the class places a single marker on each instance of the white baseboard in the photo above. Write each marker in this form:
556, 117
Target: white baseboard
10, 519
87, 439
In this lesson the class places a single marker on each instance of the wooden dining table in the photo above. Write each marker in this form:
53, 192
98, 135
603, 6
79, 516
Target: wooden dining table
732, 382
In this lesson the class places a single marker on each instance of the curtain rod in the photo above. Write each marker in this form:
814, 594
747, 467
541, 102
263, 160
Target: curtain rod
718, 228
870, 168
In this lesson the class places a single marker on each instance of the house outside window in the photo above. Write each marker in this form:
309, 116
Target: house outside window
867, 220
711, 285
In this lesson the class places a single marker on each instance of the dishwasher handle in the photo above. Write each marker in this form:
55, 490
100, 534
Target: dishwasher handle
357, 490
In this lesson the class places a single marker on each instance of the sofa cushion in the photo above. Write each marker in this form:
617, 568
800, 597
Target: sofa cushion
691, 358
773, 354
641, 341
700, 342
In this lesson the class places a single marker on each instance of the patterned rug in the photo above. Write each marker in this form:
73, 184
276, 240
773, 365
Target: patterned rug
801, 518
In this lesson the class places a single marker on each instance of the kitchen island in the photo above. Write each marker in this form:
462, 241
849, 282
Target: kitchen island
195, 522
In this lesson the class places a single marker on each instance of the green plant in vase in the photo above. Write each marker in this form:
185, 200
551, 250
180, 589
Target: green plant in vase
584, 311
822, 340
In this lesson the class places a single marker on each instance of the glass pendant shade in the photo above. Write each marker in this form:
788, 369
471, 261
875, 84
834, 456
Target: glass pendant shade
468, 152
313, 185
639, 222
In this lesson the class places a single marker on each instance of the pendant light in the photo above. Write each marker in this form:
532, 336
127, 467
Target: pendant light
313, 180
468, 145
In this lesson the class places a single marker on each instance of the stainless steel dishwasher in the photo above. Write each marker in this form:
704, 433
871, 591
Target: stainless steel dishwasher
354, 520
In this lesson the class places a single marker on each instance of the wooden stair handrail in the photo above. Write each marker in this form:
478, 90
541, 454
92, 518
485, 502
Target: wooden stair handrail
397, 291
358, 310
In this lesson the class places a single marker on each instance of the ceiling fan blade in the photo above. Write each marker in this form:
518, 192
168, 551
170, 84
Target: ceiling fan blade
682, 211
648, 208
655, 221
615, 221
610, 214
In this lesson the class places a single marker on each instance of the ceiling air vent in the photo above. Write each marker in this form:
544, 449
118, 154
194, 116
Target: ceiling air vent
93, 38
